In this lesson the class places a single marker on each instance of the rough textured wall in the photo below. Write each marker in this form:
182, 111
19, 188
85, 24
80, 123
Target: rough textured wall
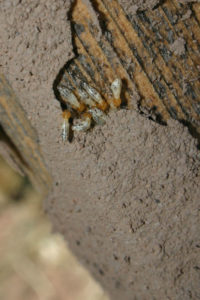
125, 195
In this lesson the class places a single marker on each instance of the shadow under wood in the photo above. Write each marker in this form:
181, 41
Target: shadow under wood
192, 130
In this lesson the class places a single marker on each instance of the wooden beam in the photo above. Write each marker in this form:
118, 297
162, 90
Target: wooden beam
22, 138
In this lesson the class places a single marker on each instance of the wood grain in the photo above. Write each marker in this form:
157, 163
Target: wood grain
22, 138
138, 49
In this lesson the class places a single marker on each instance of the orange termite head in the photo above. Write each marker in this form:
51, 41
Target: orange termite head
103, 105
66, 114
81, 107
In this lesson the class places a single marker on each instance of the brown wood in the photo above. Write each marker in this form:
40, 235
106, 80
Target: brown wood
22, 138
138, 49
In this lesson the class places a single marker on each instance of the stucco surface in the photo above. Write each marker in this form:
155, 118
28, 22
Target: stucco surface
125, 195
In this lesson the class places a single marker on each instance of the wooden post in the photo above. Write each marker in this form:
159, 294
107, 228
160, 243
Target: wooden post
22, 138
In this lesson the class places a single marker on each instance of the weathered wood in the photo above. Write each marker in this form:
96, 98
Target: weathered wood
22, 138
138, 48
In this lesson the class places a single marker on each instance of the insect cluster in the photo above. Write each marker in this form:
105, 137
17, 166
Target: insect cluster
89, 105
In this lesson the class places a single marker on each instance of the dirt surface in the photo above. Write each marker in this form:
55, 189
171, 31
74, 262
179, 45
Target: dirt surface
125, 195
